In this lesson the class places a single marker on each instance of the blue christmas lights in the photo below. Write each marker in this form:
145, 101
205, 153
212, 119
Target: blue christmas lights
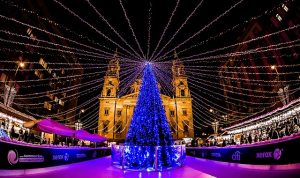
149, 139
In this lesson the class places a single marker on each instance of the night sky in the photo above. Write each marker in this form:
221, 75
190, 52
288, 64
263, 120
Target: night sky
138, 13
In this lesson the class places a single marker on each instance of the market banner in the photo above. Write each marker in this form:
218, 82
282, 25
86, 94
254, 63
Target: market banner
274, 152
19, 156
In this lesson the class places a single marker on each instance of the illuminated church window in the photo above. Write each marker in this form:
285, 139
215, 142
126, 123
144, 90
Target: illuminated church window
119, 113
182, 93
184, 112
108, 92
172, 113
106, 111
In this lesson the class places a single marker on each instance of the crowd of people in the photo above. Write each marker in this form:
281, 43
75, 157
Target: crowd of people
275, 130
26, 136
19, 134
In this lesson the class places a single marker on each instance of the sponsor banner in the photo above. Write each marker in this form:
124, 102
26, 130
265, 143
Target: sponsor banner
18, 156
284, 152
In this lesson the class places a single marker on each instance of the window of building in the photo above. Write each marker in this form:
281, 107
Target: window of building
110, 82
43, 63
49, 70
182, 93
30, 34
61, 102
47, 105
185, 129
285, 7
106, 111
184, 112
3, 77
39, 74
181, 83
279, 18
119, 113
108, 92
50, 95
29, 30
172, 113
119, 127
185, 126
105, 126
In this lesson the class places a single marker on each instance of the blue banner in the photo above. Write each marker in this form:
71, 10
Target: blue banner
275, 152
21, 156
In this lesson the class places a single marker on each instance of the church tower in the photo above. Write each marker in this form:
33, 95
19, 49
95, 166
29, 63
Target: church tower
182, 101
180, 84
109, 97
115, 112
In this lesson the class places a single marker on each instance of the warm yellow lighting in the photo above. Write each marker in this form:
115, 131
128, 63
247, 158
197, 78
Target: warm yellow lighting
22, 64
82, 110
211, 110
273, 67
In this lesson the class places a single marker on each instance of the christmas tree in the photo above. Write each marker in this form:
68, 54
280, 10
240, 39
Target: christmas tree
149, 128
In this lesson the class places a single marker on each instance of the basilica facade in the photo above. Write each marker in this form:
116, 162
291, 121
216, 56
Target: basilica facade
115, 113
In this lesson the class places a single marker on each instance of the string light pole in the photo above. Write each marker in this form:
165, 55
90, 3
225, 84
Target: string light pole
8, 97
78, 124
215, 124
282, 90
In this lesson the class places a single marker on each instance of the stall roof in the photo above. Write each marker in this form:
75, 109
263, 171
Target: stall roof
84, 135
50, 126
15, 113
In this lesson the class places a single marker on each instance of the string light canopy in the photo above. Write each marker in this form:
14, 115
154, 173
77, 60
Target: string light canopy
222, 79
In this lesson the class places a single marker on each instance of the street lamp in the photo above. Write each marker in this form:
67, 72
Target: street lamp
8, 97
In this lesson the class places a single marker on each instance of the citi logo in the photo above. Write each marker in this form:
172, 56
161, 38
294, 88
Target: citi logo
236, 156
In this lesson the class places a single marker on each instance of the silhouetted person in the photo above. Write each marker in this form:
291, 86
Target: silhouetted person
3, 125
26, 136
12, 132
295, 120
274, 134
242, 139
255, 138
224, 143
31, 137
20, 135
249, 139
232, 142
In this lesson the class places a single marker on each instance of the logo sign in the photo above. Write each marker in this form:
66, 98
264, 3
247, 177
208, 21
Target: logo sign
264, 155
31, 159
277, 154
94, 154
193, 153
217, 155
236, 156
82, 155
57, 157
12, 157
66, 157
